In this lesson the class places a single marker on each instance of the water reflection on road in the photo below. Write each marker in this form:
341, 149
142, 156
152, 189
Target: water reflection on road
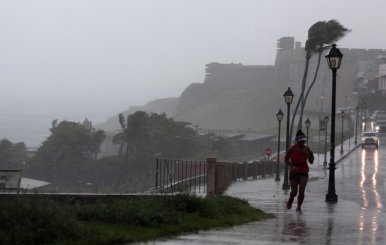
294, 229
329, 226
369, 223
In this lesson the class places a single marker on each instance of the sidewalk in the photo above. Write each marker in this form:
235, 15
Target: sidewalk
344, 222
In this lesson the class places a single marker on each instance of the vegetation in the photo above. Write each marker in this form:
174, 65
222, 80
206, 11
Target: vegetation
12, 155
148, 134
117, 221
67, 154
319, 147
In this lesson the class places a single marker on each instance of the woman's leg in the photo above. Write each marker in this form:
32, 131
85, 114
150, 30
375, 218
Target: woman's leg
302, 188
294, 191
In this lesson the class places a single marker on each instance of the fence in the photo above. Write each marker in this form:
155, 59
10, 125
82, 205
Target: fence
210, 176
180, 175
222, 174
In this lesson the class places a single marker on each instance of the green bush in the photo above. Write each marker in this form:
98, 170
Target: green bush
209, 207
147, 212
35, 222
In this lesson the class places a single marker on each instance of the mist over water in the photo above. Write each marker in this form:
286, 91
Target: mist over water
32, 126
17, 130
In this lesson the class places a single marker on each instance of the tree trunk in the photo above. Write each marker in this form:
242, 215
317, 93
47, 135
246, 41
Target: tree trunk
313, 82
308, 57
308, 91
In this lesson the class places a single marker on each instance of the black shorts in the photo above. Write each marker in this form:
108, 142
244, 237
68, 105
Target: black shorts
297, 176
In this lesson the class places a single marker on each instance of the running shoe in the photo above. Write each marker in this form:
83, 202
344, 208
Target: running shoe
289, 205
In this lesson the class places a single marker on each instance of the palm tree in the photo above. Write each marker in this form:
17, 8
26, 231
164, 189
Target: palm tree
98, 136
122, 137
320, 37
134, 132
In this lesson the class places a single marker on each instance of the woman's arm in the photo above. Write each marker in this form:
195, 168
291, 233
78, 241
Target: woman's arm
310, 156
287, 158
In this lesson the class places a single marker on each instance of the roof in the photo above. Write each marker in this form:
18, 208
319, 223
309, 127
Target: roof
255, 136
27, 183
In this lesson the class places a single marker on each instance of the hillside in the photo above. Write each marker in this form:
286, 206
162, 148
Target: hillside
238, 97
166, 105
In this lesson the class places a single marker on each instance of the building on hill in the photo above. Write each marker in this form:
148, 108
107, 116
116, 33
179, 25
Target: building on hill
237, 75
286, 43
87, 124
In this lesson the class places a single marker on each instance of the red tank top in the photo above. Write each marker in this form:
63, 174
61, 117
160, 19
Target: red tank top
298, 158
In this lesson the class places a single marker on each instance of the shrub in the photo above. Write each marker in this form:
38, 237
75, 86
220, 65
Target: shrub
35, 222
147, 212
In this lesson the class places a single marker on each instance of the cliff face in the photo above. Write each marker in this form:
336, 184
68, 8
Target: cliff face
235, 96
230, 98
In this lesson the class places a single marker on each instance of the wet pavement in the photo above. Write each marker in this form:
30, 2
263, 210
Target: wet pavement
357, 218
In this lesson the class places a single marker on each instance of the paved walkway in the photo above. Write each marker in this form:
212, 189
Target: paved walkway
358, 217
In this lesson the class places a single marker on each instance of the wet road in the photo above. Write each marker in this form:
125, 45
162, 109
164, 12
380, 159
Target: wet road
358, 217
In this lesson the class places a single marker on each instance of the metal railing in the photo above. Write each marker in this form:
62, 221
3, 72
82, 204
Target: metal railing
186, 176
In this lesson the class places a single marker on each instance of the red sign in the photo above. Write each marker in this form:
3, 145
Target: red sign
268, 151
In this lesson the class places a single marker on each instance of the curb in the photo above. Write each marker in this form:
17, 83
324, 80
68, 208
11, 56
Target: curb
348, 153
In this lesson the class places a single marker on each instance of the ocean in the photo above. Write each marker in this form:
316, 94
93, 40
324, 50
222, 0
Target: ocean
33, 127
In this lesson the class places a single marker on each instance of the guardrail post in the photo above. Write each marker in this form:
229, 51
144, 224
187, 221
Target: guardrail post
234, 171
255, 170
263, 168
211, 176
245, 173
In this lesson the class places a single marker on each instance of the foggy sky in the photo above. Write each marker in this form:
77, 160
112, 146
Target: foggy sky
96, 58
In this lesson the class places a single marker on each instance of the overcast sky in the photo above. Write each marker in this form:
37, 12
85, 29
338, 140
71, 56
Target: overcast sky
96, 58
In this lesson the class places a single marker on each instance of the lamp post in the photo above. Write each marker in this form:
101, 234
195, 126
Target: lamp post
356, 124
325, 141
365, 116
334, 59
361, 116
320, 121
308, 124
341, 145
288, 97
279, 117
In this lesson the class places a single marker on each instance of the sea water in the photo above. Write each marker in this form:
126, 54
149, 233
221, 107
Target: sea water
33, 127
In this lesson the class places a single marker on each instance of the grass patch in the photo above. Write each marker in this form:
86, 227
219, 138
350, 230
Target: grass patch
44, 221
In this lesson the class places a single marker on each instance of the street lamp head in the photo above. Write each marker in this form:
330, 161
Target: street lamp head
288, 96
280, 115
342, 113
307, 123
357, 109
334, 58
326, 119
